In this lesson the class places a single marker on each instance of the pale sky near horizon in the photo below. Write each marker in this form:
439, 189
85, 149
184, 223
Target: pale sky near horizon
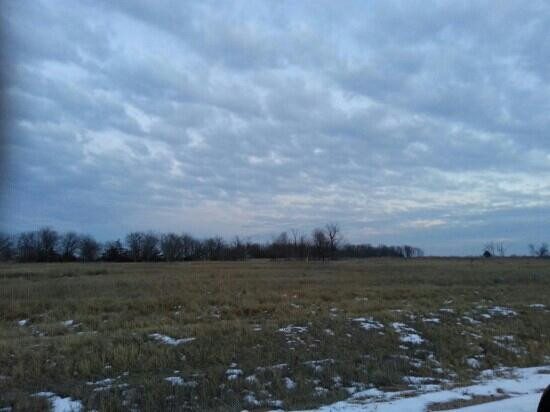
414, 122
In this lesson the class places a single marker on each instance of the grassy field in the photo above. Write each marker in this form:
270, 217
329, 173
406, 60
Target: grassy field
266, 334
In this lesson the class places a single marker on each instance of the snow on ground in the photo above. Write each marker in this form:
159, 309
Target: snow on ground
103, 382
473, 363
278, 366
320, 391
179, 381
317, 365
408, 334
291, 333
233, 372
499, 310
251, 379
293, 329
289, 383
60, 404
471, 320
368, 323
170, 341
523, 386
507, 342
174, 380
251, 399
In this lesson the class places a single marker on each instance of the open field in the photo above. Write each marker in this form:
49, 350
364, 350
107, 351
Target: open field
265, 335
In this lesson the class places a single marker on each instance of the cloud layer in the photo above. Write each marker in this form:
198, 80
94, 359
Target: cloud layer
414, 122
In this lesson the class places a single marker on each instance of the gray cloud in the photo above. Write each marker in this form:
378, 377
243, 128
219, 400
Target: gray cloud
409, 122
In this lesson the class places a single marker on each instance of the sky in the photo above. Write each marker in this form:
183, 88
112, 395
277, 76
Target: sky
415, 122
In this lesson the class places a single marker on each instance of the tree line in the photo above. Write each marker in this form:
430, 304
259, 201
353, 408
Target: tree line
327, 243
499, 249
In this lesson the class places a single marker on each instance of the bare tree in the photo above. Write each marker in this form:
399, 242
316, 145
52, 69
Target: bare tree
239, 248
69, 243
212, 247
418, 252
28, 247
47, 241
334, 238
189, 246
6, 247
539, 250
89, 248
171, 246
114, 252
295, 234
408, 251
280, 246
149, 247
220, 245
501, 249
134, 242
489, 249
304, 247
320, 243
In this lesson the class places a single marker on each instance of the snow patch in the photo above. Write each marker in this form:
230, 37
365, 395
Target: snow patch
408, 334
170, 341
317, 365
251, 400
506, 342
278, 366
233, 373
103, 382
179, 381
60, 404
320, 391
368, 323
502, 311
289, 383
471, 320
174, 380
293, 329
275, 403
523, 386
473, 363
251, 379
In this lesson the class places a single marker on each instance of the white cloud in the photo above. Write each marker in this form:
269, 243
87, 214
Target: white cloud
396, 120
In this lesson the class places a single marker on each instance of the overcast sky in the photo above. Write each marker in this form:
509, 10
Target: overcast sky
404, 122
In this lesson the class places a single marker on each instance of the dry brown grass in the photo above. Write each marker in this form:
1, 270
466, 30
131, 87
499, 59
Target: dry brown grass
117, 306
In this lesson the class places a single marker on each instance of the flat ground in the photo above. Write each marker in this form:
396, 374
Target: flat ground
266, 334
